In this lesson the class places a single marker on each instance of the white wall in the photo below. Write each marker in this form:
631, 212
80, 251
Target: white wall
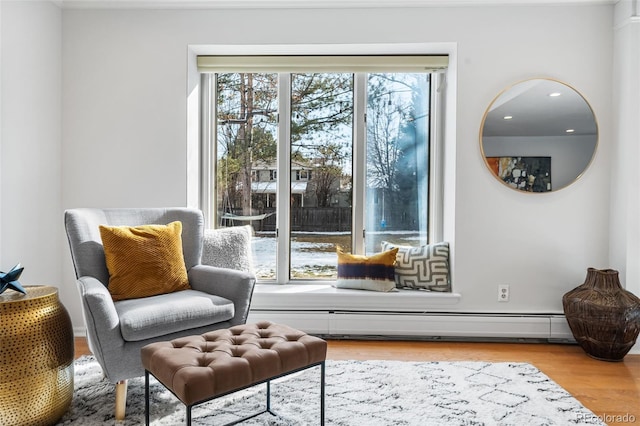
625, 179
125, 124
30, 142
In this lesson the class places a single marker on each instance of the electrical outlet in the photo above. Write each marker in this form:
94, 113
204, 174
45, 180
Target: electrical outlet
503, 293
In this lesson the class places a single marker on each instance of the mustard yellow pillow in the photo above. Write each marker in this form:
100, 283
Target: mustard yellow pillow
144, 260
375, 272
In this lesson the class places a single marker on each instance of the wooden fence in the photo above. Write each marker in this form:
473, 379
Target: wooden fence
324, 219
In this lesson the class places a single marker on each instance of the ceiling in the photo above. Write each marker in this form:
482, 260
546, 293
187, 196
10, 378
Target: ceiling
535, 113
322, 4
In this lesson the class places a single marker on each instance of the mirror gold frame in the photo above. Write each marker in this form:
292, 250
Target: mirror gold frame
538, 135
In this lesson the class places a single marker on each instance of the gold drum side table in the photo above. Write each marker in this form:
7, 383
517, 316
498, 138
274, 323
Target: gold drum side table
36, 357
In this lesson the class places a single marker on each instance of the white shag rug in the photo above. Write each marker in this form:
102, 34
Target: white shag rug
366, 393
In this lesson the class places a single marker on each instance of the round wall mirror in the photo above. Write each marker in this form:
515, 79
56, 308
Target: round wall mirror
538, 135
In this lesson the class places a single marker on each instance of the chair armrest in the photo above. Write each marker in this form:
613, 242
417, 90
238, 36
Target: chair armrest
98, 302
100, 315
231, 284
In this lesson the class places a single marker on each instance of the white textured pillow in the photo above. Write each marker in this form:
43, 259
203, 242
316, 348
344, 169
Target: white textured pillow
228, 248
425, 267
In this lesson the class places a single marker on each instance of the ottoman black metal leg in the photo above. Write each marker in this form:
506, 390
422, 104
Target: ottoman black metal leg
322, 393
269, 396
146, 397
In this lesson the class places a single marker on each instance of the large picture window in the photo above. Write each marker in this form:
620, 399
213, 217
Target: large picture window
316, 156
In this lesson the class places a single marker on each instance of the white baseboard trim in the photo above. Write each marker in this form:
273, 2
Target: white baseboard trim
417, 325
79, 332
324, 310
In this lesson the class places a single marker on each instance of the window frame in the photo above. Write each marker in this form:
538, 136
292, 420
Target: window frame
442, 180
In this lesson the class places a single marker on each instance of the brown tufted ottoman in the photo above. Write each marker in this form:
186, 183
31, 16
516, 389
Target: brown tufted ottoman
200, 368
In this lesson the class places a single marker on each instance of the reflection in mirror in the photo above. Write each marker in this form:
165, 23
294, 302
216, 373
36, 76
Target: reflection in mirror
538, 135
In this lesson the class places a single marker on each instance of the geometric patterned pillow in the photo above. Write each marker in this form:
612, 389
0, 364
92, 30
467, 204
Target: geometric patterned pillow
425, 267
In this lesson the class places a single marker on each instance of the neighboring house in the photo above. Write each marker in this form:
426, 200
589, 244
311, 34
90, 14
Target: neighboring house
264, 186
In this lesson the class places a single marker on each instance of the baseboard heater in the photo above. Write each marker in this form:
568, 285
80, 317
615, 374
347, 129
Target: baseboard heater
453, 326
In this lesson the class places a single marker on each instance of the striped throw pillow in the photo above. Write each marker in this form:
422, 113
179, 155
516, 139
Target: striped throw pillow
374, 272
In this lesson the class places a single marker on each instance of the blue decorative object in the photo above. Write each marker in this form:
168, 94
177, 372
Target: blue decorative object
10, 280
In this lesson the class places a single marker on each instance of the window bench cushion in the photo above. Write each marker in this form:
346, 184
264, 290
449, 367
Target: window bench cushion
325, 297
155, 316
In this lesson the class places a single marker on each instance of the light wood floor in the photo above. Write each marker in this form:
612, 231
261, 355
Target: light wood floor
609, 389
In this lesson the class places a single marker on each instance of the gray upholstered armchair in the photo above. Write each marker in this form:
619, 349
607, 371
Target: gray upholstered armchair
116, 331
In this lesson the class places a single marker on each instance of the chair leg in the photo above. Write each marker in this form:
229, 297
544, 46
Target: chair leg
121, 399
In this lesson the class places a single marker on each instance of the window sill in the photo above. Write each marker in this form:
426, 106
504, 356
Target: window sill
324, 297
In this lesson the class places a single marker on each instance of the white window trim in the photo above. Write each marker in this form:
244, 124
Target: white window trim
195, 193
